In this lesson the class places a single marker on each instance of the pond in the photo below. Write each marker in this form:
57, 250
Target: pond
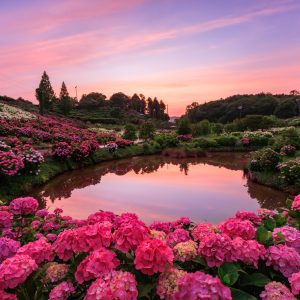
209, 189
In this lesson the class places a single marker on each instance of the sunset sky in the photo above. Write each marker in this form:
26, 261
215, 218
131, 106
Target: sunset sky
178, 50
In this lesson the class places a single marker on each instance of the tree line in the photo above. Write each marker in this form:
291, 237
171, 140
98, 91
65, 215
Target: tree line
239, 106
47, 99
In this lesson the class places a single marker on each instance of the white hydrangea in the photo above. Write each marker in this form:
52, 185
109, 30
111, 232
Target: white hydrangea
11, 112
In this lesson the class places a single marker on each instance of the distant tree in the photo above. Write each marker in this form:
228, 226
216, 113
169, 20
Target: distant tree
120, 100
201, 128
116, 112
130, 132
65, 103
45, 93
156, 108
135, 102
184, 126
294, 93
217, 128
147, 130
286, 109
143, 105
92, 100
150, 107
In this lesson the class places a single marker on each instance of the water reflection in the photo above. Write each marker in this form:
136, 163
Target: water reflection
157, 187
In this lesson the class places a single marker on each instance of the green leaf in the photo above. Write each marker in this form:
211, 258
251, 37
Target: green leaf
228, 273
256, 279
263, 235
241, 295
270, 224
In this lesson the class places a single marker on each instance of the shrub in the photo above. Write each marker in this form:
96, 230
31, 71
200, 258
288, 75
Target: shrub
130, 132
264, 160
184, 126
167, 140
201, 128
288, 150
290, 172
147, 130
185, 137
205, 143
217, 128
226, 140
259, 138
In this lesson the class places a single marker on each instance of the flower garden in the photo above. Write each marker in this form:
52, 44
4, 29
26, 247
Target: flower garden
47, 255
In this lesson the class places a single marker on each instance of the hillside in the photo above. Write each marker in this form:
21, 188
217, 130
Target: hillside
226, 110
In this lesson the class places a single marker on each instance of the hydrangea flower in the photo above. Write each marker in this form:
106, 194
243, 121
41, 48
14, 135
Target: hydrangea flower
98, 263
295, 283
290, 234
202, 230
129, 235
248, 215
198, 285
62, 291
6, 219
276, 291
238, 228
8, 248
247, 251
155, 234
168, 283
283, 259
42, 213
7, 296
296, 203
161, 226
216, 249
177, 236
56, 272
15, 270
153, 256
38, 250
185, 251
101, 216
23, 206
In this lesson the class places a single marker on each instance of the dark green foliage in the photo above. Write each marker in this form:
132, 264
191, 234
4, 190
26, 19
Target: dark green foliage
119, 100
289, 136
239, 106
265, 160
92, 100
217, 128
65, 103
205, 143
147, 130
201, 128
130, 132
184, 126
226, 140
45, 93
167, 140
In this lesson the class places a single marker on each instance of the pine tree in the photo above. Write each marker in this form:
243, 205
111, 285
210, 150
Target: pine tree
65, 101
44, 93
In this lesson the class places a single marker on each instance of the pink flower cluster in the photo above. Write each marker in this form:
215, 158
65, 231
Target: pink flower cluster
295, 283
8, 247
62, 291
153, 256
296, 203
283, 259
177, 236
185, 251
57, 272
201, 230
276, 291
199, 285
290, 234
23, 206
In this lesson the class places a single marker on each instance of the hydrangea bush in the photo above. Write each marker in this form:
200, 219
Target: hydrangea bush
46, 255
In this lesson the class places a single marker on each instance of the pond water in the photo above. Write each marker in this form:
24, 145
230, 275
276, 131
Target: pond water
160, 188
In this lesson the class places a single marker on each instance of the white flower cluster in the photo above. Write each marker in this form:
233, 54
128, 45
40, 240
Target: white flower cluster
11, 112
258, 133
281, 129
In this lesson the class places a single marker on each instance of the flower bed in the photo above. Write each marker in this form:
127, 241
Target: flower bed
47, 255
11, 112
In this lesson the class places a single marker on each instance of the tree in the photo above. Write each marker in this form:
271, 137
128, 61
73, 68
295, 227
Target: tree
120, 100
201, 128
184, 126
286, 109
45, 94
66, 103
130, 132
150, 107
147, 130
294, 93
92, 100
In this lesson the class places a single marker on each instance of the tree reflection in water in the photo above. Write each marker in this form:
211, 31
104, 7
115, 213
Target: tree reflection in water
63, 185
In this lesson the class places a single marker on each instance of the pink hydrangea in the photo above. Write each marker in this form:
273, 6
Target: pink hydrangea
98, 263
167, 284
177, 236
56, 272
276, 291
161, 226
6, 219
7, 296
198, 285
82, 239
296, 203
238, 228
202, 230
248, 215
125, 217
62, 291
51, 237
15, 270
8, 248
153, 256
290, 234
38, 250
42, 213
155, 234
185, 251
247, 251
35, 224
295, 283
129, 235
265, 213
23, 206
283, 259
183, 221
101, 216
118, 285
216, 249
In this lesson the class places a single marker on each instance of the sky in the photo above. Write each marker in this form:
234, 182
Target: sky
179, 51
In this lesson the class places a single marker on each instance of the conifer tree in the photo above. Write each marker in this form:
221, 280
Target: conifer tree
65, 101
